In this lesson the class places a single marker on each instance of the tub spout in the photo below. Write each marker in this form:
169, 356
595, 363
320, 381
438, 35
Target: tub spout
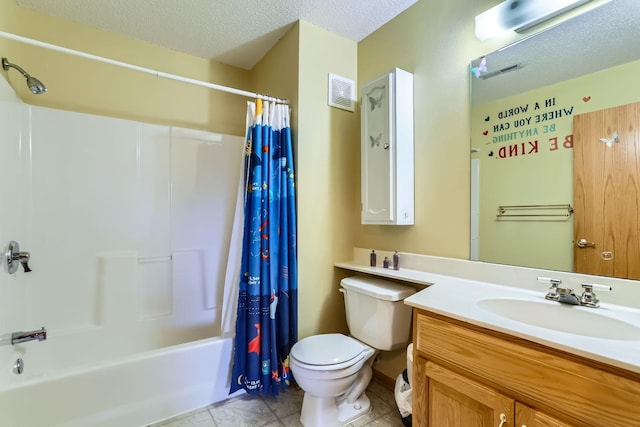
20, 337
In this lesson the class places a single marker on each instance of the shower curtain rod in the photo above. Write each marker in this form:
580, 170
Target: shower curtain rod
141, 69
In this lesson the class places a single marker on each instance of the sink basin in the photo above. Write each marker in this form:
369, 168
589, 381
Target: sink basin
561, 317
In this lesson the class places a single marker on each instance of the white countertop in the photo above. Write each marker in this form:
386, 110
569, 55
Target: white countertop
412, 276
453, 288
458, 298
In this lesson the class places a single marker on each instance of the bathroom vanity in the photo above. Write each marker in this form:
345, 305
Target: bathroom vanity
466, 375
490, 350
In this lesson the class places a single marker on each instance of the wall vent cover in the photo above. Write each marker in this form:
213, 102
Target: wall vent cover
342, 93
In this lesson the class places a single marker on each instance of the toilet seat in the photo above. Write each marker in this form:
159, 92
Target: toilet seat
329, 352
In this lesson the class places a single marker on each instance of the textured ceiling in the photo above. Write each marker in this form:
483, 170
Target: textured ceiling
235, 32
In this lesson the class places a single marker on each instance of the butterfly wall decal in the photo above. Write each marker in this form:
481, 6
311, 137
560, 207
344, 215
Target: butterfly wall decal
481, 68
610, 141
376, 140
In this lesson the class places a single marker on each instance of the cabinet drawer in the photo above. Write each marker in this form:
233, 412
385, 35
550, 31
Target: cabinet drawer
560, 383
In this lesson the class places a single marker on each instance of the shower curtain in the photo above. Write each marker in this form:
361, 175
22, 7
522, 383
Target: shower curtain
267, 315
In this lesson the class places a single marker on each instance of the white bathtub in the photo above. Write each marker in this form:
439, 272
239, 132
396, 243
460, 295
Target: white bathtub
133, 232
132, 391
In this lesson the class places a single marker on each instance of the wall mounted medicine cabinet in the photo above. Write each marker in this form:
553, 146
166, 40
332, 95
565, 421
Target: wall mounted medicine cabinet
386, 106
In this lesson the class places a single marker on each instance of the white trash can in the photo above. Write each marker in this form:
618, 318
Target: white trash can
410, 363
402, 389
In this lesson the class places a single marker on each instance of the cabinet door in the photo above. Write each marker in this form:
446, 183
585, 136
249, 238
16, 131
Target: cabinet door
453, 400
529, 417
386, 111
378, 169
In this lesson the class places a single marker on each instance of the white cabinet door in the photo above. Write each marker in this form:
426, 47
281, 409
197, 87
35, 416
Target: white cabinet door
387, 149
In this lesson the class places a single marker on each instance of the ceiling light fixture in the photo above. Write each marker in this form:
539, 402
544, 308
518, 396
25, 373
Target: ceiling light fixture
519, 15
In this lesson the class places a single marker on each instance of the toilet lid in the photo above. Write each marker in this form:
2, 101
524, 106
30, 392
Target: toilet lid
327, 349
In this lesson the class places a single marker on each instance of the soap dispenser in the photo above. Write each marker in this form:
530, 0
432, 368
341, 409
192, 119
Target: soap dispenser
396, 261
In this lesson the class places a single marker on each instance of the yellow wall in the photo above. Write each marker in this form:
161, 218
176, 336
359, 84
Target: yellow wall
328, 141
83, 85
327, 150
432, 40
276, 74
435, 41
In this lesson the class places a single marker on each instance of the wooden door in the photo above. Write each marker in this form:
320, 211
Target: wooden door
606, 192
529, 417
454, 401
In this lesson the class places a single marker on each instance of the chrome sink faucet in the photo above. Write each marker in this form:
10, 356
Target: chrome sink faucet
567, 296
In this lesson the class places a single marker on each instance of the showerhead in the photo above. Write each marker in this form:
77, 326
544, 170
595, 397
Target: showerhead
35, 86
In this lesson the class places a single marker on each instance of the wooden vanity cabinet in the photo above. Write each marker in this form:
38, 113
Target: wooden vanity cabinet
455, 400
529, 417
468, 376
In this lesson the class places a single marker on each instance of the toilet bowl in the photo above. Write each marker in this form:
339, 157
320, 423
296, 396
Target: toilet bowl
334, 370
329, 366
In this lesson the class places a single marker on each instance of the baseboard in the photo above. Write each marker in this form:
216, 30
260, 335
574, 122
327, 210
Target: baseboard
383, 380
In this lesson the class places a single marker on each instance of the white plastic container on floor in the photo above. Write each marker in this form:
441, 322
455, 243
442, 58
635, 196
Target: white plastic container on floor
410, 363
402, 390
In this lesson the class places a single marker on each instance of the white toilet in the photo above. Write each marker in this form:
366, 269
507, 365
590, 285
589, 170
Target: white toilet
334, 369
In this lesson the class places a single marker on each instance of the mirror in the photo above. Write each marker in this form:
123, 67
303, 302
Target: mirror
524, 98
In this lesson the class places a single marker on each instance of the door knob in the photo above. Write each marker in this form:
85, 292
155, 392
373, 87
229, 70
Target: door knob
582, 243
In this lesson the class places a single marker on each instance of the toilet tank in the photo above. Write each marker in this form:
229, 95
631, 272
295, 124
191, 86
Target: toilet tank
376, 313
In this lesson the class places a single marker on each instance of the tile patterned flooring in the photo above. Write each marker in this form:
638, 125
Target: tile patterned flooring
282, 411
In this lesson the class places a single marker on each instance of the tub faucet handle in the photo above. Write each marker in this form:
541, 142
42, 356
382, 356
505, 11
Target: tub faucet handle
24, 260
15, 257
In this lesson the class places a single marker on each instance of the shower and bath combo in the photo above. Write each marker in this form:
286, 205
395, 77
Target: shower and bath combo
35, 86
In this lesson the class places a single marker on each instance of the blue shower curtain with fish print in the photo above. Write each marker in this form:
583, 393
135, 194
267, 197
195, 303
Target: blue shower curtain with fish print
267, 319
